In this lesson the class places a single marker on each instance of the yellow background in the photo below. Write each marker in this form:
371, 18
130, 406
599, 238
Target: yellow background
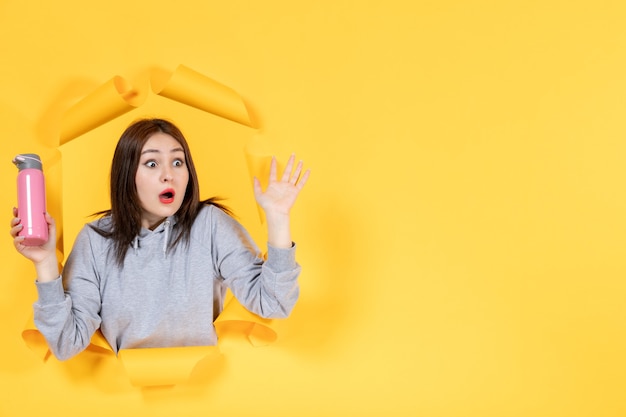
462, 234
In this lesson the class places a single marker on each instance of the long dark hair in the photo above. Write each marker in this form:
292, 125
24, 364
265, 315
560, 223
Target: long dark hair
125, 212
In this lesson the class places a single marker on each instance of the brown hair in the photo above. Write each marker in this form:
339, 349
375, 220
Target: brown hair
125, 212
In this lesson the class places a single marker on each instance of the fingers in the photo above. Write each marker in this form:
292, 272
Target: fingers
273, 169
15, 224
303, 179
15, 230
257, 187
297, 178
290, 174
49, 219
288, 168
296, 174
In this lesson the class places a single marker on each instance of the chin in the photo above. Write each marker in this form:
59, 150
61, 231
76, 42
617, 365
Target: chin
175, 208
171, 212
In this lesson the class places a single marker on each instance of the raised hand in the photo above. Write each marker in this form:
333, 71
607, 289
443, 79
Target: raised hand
278, 199
280, 195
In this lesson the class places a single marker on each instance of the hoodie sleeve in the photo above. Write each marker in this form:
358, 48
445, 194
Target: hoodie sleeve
67, 309
267, 287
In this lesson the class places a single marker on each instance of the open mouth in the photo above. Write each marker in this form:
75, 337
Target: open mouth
167, 196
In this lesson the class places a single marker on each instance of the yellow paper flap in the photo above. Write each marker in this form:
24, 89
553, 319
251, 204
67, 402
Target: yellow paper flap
197, 90
117, 96
110, 100
235, 318
163, 366
37, 343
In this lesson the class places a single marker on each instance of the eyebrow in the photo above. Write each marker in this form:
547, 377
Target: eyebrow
158, 151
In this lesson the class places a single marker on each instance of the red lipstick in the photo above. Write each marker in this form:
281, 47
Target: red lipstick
167, 196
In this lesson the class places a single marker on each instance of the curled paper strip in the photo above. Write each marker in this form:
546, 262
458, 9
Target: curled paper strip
184, 85
235, 318
112, 99
194, 89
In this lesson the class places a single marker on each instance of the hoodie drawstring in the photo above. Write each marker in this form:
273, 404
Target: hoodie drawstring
166, 238
166, 227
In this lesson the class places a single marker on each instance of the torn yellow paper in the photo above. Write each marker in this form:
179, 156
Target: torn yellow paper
184, 85
144, 367
110, 100
197, 90
35, 340
163, 366
235, 318
37, 343
168, 365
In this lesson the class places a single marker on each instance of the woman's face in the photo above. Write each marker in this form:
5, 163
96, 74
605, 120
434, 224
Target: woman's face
161, 179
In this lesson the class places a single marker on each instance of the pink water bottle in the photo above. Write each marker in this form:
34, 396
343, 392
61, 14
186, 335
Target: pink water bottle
31, 199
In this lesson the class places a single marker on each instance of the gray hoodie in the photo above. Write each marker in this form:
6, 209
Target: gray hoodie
162, 296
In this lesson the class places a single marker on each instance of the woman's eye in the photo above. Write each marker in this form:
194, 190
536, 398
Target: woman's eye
151, 164
178, 163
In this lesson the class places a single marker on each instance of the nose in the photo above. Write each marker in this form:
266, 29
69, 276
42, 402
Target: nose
166, 176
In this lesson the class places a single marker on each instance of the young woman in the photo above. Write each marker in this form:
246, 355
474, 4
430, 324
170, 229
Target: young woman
153, 270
